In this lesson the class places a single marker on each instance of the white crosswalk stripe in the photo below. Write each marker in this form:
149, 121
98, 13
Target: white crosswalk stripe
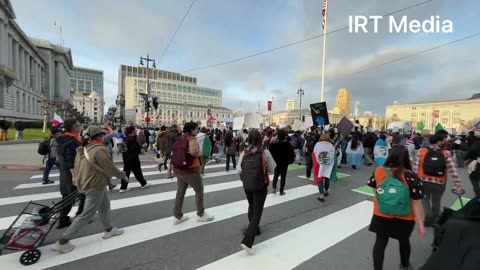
54, 175
269, 253
54, 195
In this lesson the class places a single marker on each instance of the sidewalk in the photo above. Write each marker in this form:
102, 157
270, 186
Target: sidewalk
25, 157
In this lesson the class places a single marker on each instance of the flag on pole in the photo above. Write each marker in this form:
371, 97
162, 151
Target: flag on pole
57, 120
324, 13
269, 105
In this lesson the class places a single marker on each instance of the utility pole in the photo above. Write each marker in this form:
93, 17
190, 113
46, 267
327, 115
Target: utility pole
300, 92
148, 91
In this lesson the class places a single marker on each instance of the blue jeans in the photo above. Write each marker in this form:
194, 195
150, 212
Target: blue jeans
48, 167
324, 185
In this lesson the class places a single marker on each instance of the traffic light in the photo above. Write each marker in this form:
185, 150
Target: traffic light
147, 106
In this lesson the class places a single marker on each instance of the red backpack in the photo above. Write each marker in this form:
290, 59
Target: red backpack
181, 158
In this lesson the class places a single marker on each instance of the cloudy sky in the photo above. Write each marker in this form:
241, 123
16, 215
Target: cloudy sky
104, 34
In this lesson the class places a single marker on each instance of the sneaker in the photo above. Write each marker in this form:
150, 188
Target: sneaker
112, 186
124, 190
64, 223
326, 194
248, 250
282, 193
321, 199
178, 221
47, 182
409, 267
205, 218
65, 248
145, 186
274, 191
112, 233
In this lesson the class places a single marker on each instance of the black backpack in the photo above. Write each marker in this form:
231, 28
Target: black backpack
434, 163
44, 147
253, 173
311, 141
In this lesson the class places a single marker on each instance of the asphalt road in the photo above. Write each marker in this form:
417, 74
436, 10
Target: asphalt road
298, 232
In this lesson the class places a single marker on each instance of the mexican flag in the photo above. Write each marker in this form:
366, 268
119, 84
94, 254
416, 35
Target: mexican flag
57, 120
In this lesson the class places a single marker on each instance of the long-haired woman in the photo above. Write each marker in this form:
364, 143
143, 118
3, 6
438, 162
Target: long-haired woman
399, 227
324, 165
355, 152
256, 199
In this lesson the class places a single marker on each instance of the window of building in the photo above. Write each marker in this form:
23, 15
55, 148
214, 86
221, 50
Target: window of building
445, 121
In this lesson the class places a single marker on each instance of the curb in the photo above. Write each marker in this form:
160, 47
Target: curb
20, 142
18, 167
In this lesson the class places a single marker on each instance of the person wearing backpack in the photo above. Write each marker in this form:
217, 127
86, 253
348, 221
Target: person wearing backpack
433, 165
94, 168
67, 145
310, 140
230, 149
256, 164
51, 155
161, 141
186, 162
205, 148
131, 159
283, 154
396, 206
380, 151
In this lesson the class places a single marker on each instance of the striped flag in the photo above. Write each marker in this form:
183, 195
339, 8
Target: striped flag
324, 13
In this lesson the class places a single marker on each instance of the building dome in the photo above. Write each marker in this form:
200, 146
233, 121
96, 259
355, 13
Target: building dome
93, 95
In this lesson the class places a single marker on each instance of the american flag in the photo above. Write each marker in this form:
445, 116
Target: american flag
324, 13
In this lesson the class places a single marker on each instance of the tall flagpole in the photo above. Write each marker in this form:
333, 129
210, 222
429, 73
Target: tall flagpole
323, 55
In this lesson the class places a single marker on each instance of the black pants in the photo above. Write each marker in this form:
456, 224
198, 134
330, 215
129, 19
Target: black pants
309, 164
165, 159
135, 167
67, 187
280, 170
256, 201
379, 251
475, 180
233, 161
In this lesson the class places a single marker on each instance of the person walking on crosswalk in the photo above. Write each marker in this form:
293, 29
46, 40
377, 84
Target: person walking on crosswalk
186, 163
93, 170
255, 166
67, 145
284, 155
131, 159
324, 165
398, 221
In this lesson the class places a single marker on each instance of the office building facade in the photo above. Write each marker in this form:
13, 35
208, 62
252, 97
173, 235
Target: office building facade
180, 98
87, 80
90, 104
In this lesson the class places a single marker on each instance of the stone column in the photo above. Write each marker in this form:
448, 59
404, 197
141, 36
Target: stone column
27, 67
21, 64
10, 52
58, 79
3, 49
16, 58
38, 79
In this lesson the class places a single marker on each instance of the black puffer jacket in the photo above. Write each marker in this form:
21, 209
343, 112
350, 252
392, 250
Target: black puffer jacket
133, 148
66, 151
282, 152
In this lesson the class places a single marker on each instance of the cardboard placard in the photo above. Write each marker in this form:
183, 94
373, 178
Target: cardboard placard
319, 113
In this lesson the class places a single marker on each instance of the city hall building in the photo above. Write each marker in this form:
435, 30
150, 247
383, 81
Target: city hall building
458, 114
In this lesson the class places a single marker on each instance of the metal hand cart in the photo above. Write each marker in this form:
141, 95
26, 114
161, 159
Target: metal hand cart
32, 226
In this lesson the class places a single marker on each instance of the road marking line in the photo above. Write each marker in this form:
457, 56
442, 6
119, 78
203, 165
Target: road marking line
52, 195
93, 244
156, 172
140, 200
339, 176
366, 190
271, 254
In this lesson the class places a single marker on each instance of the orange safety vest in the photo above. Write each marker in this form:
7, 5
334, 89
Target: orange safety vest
421, 157
381, 175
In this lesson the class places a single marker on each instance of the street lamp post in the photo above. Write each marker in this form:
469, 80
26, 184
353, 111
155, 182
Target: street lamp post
148, 92
300, 92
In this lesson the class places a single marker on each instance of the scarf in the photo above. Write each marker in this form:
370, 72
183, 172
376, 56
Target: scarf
95, 142
75, 136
